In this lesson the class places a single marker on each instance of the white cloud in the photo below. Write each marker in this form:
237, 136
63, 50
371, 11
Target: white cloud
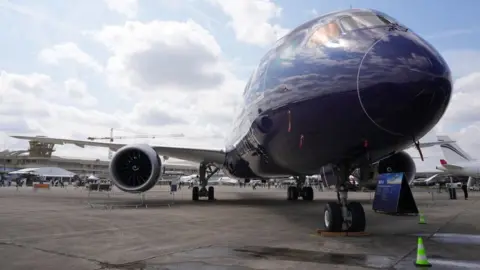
172, 74
176, 68
462, 118
173, 77
68, 51
128, 8
162, 55
77, 90
35, 104
251, 20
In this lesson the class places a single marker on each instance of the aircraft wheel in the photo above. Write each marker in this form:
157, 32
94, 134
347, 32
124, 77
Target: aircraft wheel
211, 193
358, 222
292, 193
289, 193
333, 219
195, 194
308, 194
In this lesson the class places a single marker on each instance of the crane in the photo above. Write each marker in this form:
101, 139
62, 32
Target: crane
111, 138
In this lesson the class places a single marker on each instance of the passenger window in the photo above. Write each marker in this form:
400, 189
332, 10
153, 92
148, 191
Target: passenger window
323, 34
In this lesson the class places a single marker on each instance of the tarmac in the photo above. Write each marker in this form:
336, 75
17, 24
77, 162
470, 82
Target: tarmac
244, 229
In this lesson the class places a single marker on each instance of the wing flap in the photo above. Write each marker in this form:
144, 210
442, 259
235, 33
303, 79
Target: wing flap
189, 154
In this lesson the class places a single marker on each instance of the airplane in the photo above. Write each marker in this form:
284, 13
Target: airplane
457, 161
188, 178
351, 89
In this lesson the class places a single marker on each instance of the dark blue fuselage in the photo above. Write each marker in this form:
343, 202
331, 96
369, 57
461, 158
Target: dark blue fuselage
348, 87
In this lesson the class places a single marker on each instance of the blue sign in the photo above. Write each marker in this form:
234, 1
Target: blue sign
387, 194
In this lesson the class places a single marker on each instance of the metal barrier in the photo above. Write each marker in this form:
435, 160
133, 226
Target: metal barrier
118, 199
99, 187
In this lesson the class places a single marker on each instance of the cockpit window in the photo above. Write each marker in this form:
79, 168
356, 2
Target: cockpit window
362, 20
290, 46
323, 34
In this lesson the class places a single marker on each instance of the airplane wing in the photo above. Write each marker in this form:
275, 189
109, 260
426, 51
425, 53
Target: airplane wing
189, 154
428, 180
452, 167
430, 144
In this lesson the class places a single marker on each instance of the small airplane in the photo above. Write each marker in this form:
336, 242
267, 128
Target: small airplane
351, 89
457, 161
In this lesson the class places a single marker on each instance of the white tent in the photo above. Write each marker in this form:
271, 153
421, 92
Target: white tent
93, 177
45, 172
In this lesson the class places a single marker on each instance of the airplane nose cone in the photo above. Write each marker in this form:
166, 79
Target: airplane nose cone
403, 84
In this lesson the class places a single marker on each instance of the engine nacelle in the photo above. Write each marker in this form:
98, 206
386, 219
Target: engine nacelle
400, 162
136, 168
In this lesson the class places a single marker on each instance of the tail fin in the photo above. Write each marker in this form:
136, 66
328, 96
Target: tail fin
452, 152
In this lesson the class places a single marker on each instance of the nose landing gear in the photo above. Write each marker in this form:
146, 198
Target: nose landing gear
343, 215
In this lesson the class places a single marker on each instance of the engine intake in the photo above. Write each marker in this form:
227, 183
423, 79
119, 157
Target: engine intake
135, 168
400, 162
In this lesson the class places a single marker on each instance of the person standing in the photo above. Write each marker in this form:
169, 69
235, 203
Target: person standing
465, 190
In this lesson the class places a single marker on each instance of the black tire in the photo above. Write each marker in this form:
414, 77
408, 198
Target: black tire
211, 193
294, 193
358, 217
333, 219
308, 194
195, 194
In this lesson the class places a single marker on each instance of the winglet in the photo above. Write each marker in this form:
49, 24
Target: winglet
443, 162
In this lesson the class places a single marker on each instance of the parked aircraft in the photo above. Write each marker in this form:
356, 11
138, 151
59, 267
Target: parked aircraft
457, 161
350, 88
188, 178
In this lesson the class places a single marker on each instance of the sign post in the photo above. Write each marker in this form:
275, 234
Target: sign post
393, 195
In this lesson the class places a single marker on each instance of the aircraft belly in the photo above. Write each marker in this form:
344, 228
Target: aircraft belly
302, 137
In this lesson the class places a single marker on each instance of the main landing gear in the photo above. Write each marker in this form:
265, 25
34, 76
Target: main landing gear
293, 192
343, 215
205, 172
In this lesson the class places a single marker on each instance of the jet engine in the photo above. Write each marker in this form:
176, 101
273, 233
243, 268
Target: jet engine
400, 162
135, 168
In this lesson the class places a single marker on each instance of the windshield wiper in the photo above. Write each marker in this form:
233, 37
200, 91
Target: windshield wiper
396, 26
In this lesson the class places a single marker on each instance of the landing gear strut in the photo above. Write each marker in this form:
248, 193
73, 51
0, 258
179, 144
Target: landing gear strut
343, 215
300, 190
205, 172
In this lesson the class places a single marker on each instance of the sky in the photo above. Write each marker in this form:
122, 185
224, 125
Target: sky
75, 69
